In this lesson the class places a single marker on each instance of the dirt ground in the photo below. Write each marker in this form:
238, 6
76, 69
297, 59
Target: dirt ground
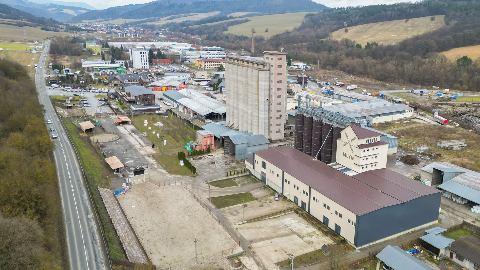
167, 221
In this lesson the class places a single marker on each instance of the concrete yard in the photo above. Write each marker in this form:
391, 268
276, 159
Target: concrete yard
168, 219
273, 239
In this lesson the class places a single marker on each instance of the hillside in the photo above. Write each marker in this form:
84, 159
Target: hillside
471, 51
13, 14
390, 32
175, 7
268, 25
48, 10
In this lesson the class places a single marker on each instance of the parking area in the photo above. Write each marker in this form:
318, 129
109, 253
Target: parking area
175, 230
91, 99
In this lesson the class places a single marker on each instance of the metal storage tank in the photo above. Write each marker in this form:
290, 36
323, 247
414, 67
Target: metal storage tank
299, 131
336, 135
316, 136
326, 153
307, 135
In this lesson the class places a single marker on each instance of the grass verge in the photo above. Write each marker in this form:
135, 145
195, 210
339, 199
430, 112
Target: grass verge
96, 176
315, 256
224, 183
458, 233
230, 200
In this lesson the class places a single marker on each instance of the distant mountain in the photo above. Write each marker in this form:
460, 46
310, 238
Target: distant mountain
65, 3
48, 10
163, 8
9, 13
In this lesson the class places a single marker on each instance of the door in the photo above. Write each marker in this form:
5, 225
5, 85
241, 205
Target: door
304, 206
295, 200
338, 229
325, 220
263, 177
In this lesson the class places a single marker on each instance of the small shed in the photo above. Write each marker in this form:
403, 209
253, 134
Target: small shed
122, 119
397, 259
86, 126
435, 242
114, 163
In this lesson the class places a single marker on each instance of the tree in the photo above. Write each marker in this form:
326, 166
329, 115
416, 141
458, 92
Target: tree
221, 68
464, 62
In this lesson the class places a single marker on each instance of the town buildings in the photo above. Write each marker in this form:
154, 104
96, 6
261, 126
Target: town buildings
256, 94
213, 53
139, 58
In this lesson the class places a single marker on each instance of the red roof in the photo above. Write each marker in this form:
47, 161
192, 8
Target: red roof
361, 194
363, 133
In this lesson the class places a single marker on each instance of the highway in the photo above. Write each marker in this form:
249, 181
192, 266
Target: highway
82, 234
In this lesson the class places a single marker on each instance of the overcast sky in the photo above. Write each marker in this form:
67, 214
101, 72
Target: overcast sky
331, 3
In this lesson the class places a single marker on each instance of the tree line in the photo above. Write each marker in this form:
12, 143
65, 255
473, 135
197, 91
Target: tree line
31, 226
414, 61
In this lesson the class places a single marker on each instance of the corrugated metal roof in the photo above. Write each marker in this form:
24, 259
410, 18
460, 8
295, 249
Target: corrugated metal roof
435, 230
468, 247
398, 259
461, 190
363, 133
209, 103
368, 108
220, 130
361, 193
136, 90
173, 95
443, 166
437, 240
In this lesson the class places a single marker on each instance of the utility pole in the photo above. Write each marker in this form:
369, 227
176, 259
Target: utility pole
291, 257
253, 42
196, 255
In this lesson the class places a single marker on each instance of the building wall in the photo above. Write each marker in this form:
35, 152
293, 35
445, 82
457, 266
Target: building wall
139, 58
278, 94
360, 160
392, 117
388, 221
313, 200
463, 262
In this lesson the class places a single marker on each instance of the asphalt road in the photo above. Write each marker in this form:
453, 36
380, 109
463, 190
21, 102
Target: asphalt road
82, 235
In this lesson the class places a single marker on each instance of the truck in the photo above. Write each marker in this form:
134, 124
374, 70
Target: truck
352, 87
441, 120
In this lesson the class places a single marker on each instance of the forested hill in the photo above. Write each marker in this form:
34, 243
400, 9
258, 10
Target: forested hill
416, 60
162, 8
30, 216
7, 12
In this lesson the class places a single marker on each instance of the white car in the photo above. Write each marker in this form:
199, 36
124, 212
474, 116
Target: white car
54, 136
49, 121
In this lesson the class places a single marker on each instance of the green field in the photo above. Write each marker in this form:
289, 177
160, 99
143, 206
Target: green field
231, 200
176, 131
224, 183
390, 32
26, 33
475, 99
15, 46
268, 25
458, 233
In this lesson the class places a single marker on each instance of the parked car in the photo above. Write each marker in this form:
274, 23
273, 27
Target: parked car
49, 121
54, 136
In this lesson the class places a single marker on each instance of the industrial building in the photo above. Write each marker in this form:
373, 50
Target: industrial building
238, 144
459, 184
139, 58
363, 208
195, 104
213, 53
256, 94
317, 129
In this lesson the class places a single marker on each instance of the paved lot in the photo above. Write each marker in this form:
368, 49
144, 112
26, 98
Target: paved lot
168, 219
90, 96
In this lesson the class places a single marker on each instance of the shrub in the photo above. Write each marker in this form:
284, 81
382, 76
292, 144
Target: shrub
410, 159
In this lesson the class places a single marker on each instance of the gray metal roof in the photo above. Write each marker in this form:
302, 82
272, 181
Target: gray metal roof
443, 166
369, 108
398, 259
137, 90
219, 130
173, 95
437, 240
435, 230
466, 192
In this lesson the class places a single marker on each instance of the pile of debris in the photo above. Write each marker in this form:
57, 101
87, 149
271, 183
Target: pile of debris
452, 144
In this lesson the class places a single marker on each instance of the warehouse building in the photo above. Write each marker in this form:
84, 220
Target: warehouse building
459, 184
364, 208
196, 105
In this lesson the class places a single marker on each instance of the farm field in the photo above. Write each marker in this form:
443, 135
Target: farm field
26, 33
470, 51
25, 58
15, 46
188, 17
276, 24
390, 32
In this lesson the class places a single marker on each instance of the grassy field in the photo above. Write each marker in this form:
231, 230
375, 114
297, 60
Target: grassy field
26, 33
224, 183
276, 24
176, 131
458, 233
390, 32
470, 51
24, 58
97, 176
230, 200
315, 256
413, 134
475, 99
189, 17
15, 46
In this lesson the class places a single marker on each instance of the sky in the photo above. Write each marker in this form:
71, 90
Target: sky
330, 3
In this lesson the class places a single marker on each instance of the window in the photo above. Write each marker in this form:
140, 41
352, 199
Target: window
264, 164
324, 205
286, 181
328, 207
340, 215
